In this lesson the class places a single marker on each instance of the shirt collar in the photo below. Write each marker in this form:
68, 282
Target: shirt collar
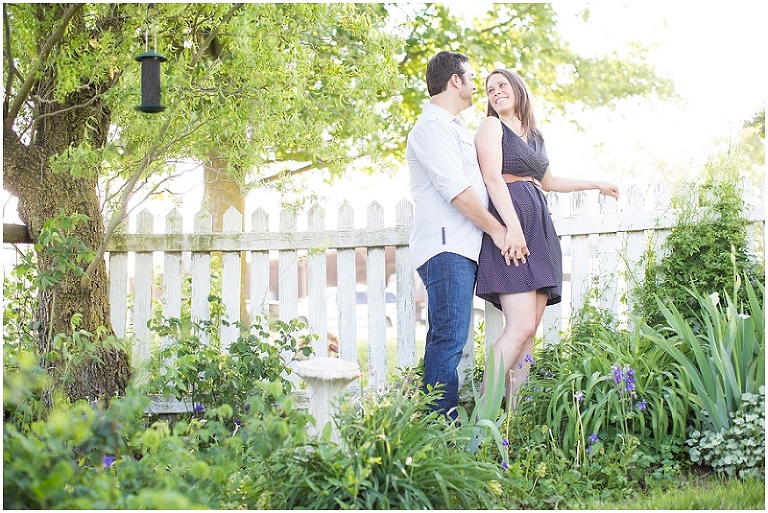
440, 113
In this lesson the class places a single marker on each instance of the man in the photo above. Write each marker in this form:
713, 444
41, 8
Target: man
451, 214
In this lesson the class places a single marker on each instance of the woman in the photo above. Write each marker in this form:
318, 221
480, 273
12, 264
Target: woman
515, 168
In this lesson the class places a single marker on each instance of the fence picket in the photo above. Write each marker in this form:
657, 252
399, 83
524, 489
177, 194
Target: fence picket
635, 245
346, 297
406, 300
607, 256
316, 284
376, 298
259, 269
552, 320
172, 278
581, 255
201, 273
230, 273
142, 295
118, 289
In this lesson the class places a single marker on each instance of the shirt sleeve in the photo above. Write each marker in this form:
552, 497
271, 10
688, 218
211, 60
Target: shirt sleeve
438, 149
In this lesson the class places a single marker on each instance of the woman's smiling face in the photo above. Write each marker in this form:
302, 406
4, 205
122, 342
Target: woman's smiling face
501, 95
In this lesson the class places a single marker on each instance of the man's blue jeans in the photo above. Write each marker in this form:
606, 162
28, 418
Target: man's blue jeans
450, 282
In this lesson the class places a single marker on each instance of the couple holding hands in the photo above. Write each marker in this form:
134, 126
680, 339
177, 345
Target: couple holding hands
481, 222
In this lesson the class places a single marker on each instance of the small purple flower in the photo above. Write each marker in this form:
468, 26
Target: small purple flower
579, 396
529, 359
642, 406
247, 408
107, 461
504, 465
238, 422
593, 439
519, 366
198, 408
504, 442
528, 397
589, 449
617, 374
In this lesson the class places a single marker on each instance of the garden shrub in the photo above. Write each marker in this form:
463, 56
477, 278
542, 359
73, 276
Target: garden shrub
394, 455
204, 375
708, 241
738, 450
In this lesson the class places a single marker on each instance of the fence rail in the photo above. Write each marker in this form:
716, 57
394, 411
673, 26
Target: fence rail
603, 247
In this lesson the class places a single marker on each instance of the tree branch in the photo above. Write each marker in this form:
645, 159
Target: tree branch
122, 212
8, 57
26, 87
214, 33
291, 172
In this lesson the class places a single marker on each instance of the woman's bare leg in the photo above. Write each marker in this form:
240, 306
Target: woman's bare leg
514, 347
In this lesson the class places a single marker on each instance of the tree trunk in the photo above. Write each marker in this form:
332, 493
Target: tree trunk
42, 195
219, 193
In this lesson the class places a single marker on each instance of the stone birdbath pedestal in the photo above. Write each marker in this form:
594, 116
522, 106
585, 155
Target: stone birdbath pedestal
327, 379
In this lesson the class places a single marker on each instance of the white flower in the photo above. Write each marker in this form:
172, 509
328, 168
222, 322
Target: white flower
715, 298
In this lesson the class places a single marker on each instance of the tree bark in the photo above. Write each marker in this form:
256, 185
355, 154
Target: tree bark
43, 194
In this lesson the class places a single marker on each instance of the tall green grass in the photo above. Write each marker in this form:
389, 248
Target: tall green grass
711, 493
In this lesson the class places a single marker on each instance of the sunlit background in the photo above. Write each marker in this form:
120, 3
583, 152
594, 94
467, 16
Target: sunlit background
713, 52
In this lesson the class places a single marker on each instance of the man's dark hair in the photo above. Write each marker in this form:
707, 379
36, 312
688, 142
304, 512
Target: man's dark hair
441, 68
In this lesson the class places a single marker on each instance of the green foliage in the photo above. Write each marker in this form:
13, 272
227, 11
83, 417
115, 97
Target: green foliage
194, 367
709, 239
739, 449
395, 455
721, 354
65, 256
542, 475
521, 36
484, 422
609, 384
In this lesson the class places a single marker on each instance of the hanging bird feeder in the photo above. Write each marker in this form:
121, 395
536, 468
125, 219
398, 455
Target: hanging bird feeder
150, 72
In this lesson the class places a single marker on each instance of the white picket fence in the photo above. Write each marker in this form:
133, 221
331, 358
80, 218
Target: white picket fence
603, 245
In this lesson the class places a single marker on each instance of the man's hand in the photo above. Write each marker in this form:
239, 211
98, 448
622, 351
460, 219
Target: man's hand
499, 238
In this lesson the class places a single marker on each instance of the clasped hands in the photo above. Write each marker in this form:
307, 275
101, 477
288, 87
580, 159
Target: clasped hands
514, 248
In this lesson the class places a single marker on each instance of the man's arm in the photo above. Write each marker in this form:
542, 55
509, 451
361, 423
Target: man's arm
472, 208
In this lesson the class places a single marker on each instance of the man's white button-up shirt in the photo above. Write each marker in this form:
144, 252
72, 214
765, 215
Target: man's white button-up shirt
443, 163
